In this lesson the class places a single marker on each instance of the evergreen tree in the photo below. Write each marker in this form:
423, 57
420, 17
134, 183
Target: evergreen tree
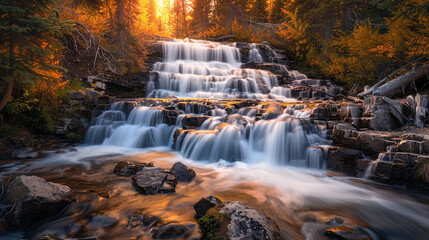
259, 11
200, 16
29, 43
277, 15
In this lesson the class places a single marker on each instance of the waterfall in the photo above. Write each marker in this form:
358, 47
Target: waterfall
254, 55
216, 130
201, 69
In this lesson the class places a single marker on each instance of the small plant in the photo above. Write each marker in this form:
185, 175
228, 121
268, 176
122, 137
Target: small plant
214, 224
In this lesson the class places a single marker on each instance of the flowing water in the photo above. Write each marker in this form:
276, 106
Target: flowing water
268, 155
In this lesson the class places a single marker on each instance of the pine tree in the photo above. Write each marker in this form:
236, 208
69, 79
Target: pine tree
29, 35
259, 11
200, 16
277, 15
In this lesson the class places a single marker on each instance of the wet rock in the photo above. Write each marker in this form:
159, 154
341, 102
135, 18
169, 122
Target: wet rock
343, 160
411, 146
48, 237
382, 170
25, 153
170, 231
193, 121
361, 166
345, 233
153, 180
206, 203
124, 168
182, 172
398, 174
101, 221
248, 223
408, 158
142, 220
34, 199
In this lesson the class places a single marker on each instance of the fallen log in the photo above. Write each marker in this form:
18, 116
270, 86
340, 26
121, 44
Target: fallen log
381, 82
396, 86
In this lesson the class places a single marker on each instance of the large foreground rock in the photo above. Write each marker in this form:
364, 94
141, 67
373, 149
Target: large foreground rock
153, 180
234, 220
34, 199
205, 204
182, 172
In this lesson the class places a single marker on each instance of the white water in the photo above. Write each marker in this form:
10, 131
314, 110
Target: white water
200, 69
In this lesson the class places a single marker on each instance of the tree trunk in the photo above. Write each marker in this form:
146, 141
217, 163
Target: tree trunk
9, 87
185, 24
396, 85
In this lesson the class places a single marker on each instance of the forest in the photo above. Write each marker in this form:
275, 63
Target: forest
214, 119
354, 43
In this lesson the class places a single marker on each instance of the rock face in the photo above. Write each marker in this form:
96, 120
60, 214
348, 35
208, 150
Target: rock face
182, 172
343, 160
205, 204
233, 220
34, 199
384, 113
154, 180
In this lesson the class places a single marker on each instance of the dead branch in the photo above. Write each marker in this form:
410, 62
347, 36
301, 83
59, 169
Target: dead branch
381, 82
394, 87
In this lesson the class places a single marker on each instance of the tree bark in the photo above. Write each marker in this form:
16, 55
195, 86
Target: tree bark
9, 87
396, 85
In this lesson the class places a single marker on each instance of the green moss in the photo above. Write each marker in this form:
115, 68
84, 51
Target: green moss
214, 225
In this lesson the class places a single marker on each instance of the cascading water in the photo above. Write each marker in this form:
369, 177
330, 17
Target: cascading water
212, 70
201, 69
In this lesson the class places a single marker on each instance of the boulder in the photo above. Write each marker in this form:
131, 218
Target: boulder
170, 231
345, 233
34, 199
101, 221
193, 121
385, 114
152, 180
350, 110
182, 172
233, 220
142, 220
205, 204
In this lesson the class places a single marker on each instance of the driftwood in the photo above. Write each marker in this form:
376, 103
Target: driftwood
384, 80
221, 38
396, 85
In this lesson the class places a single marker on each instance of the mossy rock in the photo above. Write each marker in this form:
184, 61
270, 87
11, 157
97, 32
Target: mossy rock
214, 225
234, 220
